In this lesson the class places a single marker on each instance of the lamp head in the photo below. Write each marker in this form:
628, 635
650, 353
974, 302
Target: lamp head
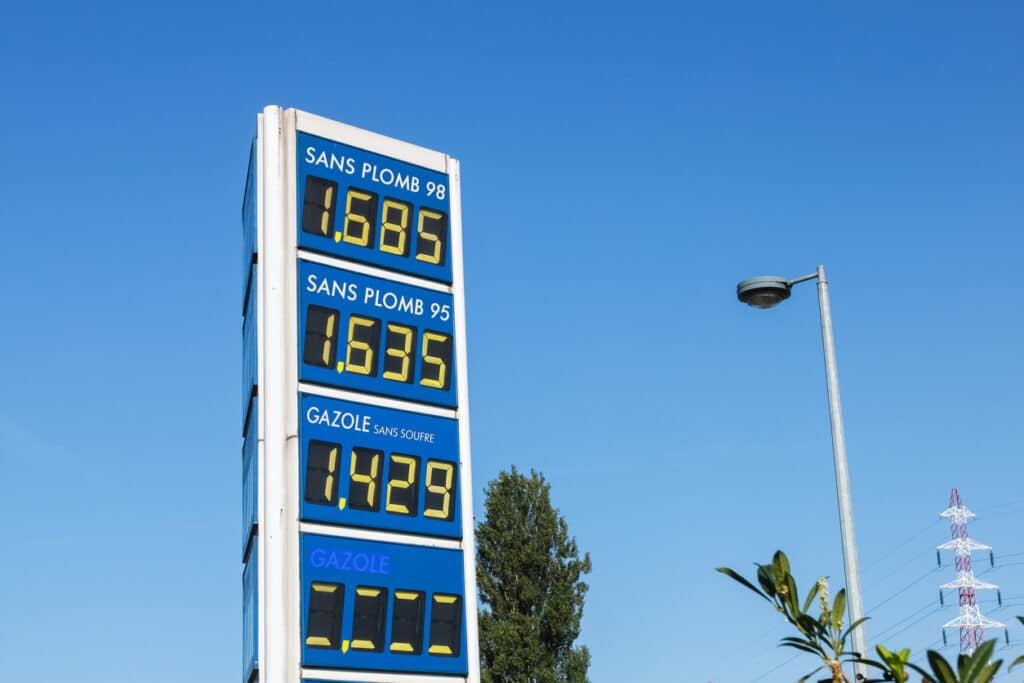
763, 291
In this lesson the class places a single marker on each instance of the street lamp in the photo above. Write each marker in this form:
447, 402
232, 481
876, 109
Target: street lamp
765, 292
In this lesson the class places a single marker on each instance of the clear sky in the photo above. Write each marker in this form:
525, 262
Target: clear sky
623, 165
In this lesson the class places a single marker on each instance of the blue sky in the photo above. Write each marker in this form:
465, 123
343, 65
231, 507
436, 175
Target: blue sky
623, 167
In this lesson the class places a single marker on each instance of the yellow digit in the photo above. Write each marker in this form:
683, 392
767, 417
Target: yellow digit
444, 490
366, 367
438, 362
325, 218
332, 467
397, 230
406, 483
358, 227
407, 335
429, 247
328, 338
370, 479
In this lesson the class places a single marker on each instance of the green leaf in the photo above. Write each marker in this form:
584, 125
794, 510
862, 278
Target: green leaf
1019, 660
805, 642
736, 577
988, 673
780, 563
764, 577
792, 599
852, 626
961, 663
869, 662
838, 607
986, 649
970, 667
810, 596
892, 660
800, 646
808, 625
941, 668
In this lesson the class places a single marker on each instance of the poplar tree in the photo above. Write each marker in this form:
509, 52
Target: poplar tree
529, 574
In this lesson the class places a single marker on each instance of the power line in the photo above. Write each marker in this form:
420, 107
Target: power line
894, 631
905, 588
774, 669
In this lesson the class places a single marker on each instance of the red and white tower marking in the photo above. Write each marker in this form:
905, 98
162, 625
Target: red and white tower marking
972, 622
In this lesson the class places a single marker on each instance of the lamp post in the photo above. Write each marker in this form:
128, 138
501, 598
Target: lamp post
765, 292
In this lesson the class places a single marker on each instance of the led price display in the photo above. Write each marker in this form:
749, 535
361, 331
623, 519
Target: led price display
362, 465
374, 335
371, 208
387, 606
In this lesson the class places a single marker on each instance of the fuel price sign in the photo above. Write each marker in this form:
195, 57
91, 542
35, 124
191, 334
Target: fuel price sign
379, 468
376, 335
371, 208
357, 542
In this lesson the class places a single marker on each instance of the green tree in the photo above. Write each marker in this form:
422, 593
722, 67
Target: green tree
529, 574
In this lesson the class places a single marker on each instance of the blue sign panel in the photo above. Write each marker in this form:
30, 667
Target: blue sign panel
367, 466
250, 610
249, 349
249, 220
250, 483
382, 337
366, 207
381, 606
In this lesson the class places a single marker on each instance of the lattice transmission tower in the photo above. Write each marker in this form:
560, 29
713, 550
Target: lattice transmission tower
972, 622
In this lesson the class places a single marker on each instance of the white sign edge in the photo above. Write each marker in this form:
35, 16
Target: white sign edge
370, 141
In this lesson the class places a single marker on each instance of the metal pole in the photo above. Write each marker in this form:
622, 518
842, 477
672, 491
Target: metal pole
856, 606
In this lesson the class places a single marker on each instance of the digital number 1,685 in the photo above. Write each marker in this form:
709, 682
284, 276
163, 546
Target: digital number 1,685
390, 227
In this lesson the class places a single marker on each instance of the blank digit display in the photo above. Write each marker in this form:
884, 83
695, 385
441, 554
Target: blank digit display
323, 624
320, 347
370, 615
445, 625
322, 460
318, 206
403, 487
407, 622
363, 489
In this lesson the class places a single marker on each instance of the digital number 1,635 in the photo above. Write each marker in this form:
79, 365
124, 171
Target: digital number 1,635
362, 352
